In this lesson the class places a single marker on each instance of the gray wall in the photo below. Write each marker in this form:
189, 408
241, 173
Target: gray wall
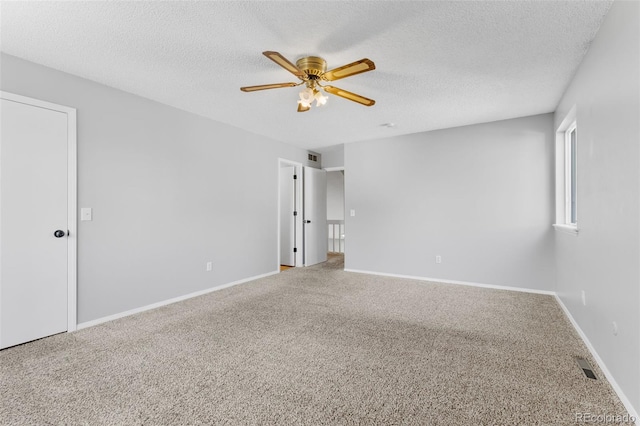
332, 156
604, 258
480, 196
335, 195
169, 190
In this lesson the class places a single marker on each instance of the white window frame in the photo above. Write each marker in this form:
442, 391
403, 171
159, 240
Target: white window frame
569, 176
566, 175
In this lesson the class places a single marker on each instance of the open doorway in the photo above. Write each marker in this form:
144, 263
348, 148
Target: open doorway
335, 210
302, 215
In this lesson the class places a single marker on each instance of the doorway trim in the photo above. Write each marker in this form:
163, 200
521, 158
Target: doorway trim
284, 162
72, 194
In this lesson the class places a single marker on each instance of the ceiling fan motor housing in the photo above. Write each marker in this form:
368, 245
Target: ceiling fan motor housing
312, 66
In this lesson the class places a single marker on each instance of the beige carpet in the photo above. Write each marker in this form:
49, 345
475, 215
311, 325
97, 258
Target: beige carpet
314, 346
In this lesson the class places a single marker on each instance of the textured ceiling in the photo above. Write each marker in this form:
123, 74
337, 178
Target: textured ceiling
438, 64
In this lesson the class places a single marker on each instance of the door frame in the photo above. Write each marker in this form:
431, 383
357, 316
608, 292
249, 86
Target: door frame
298, 189
72, 194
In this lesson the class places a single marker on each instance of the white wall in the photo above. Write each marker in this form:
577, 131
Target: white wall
169, 190
335, 195
479, 196
604, 258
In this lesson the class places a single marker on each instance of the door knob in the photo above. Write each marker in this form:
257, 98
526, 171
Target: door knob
307, 221
59, 233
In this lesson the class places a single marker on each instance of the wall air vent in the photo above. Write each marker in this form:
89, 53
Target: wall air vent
313, 157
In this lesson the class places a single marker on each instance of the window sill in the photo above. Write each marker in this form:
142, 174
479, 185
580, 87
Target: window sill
567, 229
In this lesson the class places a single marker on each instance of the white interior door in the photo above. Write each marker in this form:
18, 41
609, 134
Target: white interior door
315, 216
33, 206
287, 218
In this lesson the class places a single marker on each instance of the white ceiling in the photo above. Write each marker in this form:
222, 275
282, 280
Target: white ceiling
439, 64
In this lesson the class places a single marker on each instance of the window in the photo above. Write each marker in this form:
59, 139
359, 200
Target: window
570, 142
566, 174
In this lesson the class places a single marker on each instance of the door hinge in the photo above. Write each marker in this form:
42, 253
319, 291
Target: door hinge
295, 213
295, 176
295, 250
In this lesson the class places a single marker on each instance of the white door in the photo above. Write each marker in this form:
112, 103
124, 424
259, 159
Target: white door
287, 215
315, 216
33, 206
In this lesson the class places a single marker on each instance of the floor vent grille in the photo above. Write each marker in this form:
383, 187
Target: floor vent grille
586, 368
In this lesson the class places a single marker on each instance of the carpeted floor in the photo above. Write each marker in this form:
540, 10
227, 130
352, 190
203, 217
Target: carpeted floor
314, 346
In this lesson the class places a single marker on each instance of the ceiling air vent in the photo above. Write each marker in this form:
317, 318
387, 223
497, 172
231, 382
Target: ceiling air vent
313, 157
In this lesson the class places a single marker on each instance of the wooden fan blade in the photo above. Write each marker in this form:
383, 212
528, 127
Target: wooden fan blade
284, 63
348, 95
303, 108
357, 67
267, 86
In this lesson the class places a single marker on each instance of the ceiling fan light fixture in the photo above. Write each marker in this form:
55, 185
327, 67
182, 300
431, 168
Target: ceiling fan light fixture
306, 97
320, 98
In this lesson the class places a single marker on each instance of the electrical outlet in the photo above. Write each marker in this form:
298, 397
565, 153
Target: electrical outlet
209, 266
584, 298
438, 259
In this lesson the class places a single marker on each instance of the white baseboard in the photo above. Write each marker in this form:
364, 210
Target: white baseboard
467, 283
601, 364
169, 301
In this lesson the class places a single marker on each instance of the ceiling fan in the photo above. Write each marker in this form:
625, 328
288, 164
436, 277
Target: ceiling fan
312, 70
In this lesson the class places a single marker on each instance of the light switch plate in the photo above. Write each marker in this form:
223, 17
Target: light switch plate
353, 212
86, 213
